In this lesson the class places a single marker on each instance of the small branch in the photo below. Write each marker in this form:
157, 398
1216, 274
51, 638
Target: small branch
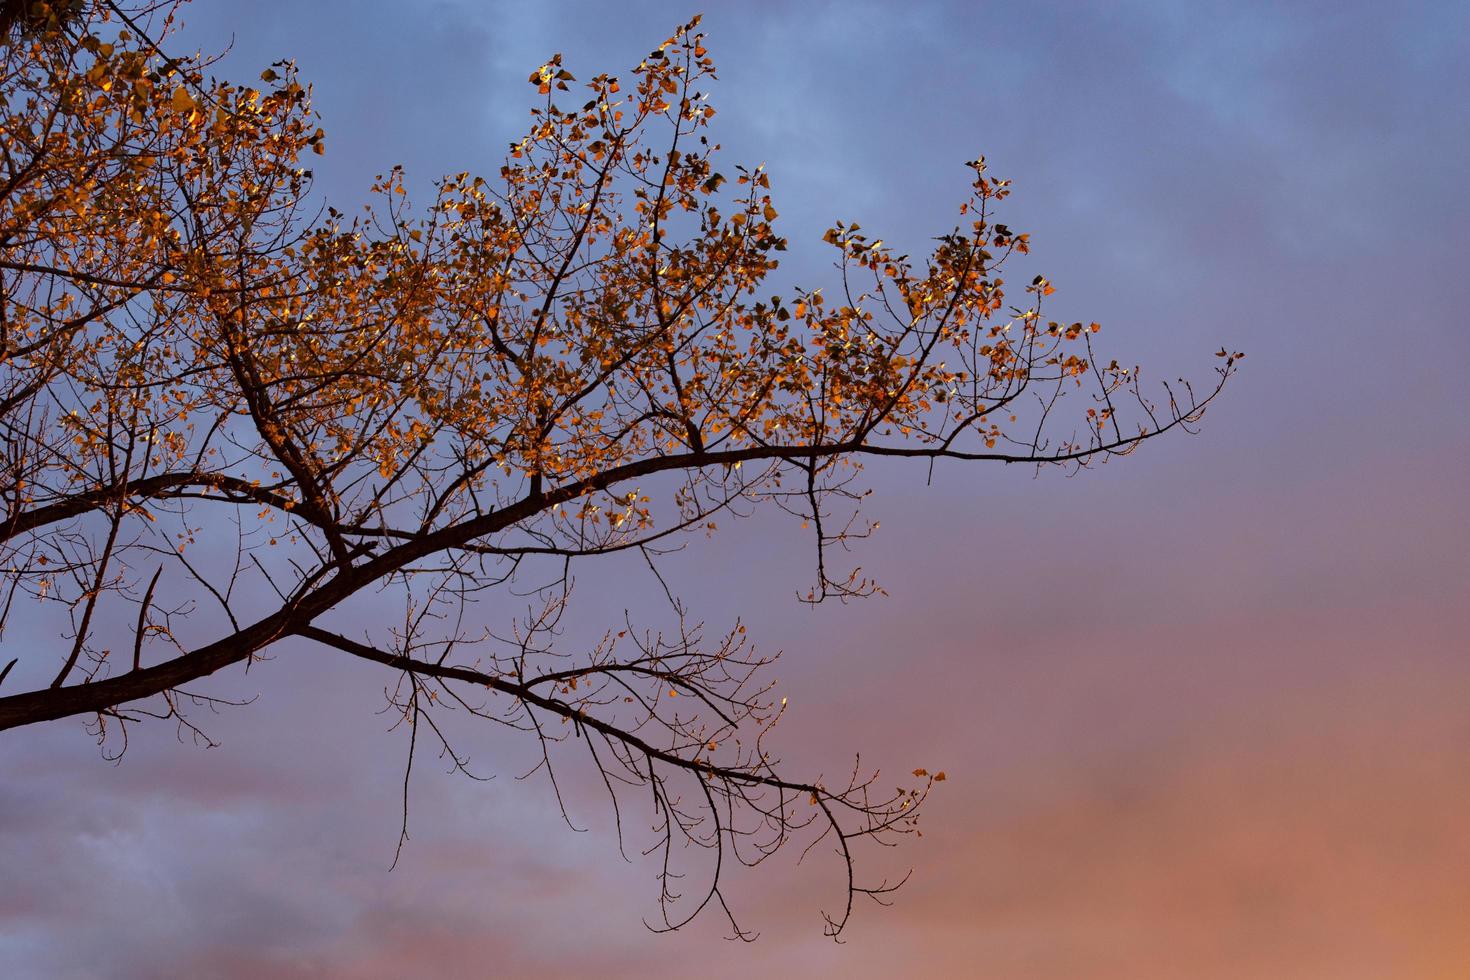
143, 618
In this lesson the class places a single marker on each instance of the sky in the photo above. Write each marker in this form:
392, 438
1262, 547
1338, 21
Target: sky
1203, 710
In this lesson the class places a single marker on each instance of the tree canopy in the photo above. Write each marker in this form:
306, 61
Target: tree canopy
233, 417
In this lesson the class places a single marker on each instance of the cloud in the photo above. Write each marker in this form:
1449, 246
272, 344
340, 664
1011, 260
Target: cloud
1202, 709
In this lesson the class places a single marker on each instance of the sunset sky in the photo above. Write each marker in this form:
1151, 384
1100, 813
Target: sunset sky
1205, 711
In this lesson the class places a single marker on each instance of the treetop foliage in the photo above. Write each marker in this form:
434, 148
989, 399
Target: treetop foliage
232, 417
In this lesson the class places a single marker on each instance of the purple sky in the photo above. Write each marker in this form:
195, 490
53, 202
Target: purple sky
1204, 710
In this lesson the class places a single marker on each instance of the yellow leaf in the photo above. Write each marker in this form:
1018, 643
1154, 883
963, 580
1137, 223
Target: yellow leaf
182, 100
